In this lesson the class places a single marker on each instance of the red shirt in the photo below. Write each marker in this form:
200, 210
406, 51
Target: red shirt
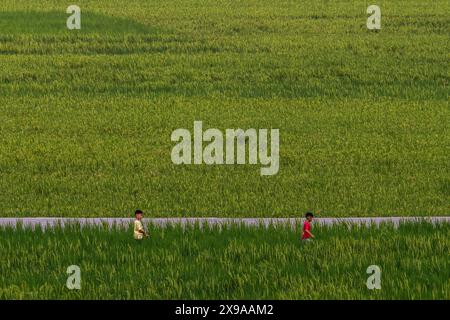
306, 226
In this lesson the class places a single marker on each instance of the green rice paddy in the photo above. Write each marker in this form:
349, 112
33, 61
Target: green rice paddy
86, 115
230, 263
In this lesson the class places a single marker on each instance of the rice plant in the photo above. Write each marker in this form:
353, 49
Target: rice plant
230, 262
86, 115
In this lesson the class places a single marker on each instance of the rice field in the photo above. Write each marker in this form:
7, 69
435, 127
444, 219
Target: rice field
86, 115
232, 262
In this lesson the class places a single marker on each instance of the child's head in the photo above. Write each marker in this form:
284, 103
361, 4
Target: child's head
138, 214
309, 216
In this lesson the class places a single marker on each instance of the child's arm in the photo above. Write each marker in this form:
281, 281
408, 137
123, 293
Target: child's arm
142, 231
309, 232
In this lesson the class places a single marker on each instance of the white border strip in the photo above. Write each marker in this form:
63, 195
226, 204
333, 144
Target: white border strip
50, 222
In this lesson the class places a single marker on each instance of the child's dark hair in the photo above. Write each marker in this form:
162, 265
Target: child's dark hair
138, 212
309, 214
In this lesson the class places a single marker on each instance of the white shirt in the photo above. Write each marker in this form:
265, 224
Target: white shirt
137, 228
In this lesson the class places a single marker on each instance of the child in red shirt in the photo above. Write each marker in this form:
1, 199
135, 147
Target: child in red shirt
306, 234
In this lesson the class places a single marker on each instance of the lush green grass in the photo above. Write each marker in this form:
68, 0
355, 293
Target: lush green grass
234, 263
86, 116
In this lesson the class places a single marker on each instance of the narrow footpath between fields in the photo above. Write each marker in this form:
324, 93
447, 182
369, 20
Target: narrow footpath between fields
49, 222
